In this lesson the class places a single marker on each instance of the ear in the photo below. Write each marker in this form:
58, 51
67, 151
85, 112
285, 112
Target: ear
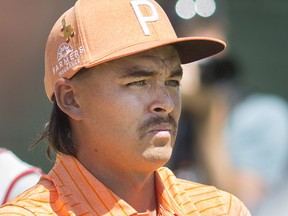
65, 98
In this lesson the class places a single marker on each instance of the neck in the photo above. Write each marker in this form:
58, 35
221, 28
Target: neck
140, 194
137, 190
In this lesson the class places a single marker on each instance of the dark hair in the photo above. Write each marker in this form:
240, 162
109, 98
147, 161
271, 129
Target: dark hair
57, 134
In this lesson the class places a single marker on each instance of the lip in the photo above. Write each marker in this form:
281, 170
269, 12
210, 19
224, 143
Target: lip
161, 127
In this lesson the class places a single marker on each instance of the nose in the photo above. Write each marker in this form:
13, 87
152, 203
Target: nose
162, 102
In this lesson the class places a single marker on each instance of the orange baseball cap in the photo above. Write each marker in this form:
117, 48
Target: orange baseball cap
96, 31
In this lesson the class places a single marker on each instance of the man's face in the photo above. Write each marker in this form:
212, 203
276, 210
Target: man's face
130, 110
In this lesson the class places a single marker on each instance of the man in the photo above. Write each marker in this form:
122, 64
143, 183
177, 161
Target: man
112, 71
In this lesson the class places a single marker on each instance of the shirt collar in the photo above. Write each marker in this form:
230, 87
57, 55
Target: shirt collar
84, 192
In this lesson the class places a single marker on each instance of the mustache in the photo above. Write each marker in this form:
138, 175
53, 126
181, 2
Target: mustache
154, 121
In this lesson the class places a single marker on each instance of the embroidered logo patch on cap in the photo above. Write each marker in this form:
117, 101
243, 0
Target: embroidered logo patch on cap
68, 30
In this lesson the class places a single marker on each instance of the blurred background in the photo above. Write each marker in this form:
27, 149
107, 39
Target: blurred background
255, 32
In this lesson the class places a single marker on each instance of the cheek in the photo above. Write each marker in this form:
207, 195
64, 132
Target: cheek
177, 104
112, 112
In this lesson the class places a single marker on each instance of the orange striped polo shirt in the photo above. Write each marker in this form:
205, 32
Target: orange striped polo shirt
69, 189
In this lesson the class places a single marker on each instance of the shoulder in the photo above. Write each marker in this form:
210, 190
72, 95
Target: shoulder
206, 199
200, 192
36, 199
11, 209
209, 198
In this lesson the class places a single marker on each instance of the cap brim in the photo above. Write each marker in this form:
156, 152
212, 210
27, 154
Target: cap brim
190, 49
193, 49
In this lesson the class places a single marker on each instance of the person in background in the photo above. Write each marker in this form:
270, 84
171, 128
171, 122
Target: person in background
16, 176
113, 71
242, 145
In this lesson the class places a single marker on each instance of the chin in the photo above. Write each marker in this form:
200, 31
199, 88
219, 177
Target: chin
158, 155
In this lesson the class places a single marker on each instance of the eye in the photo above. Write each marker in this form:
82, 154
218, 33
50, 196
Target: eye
137, 83
173, 83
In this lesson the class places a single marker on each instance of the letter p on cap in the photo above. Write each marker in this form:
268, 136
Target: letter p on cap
143, 20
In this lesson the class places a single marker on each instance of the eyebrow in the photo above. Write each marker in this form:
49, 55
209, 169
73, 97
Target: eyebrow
136, 73
177, 73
